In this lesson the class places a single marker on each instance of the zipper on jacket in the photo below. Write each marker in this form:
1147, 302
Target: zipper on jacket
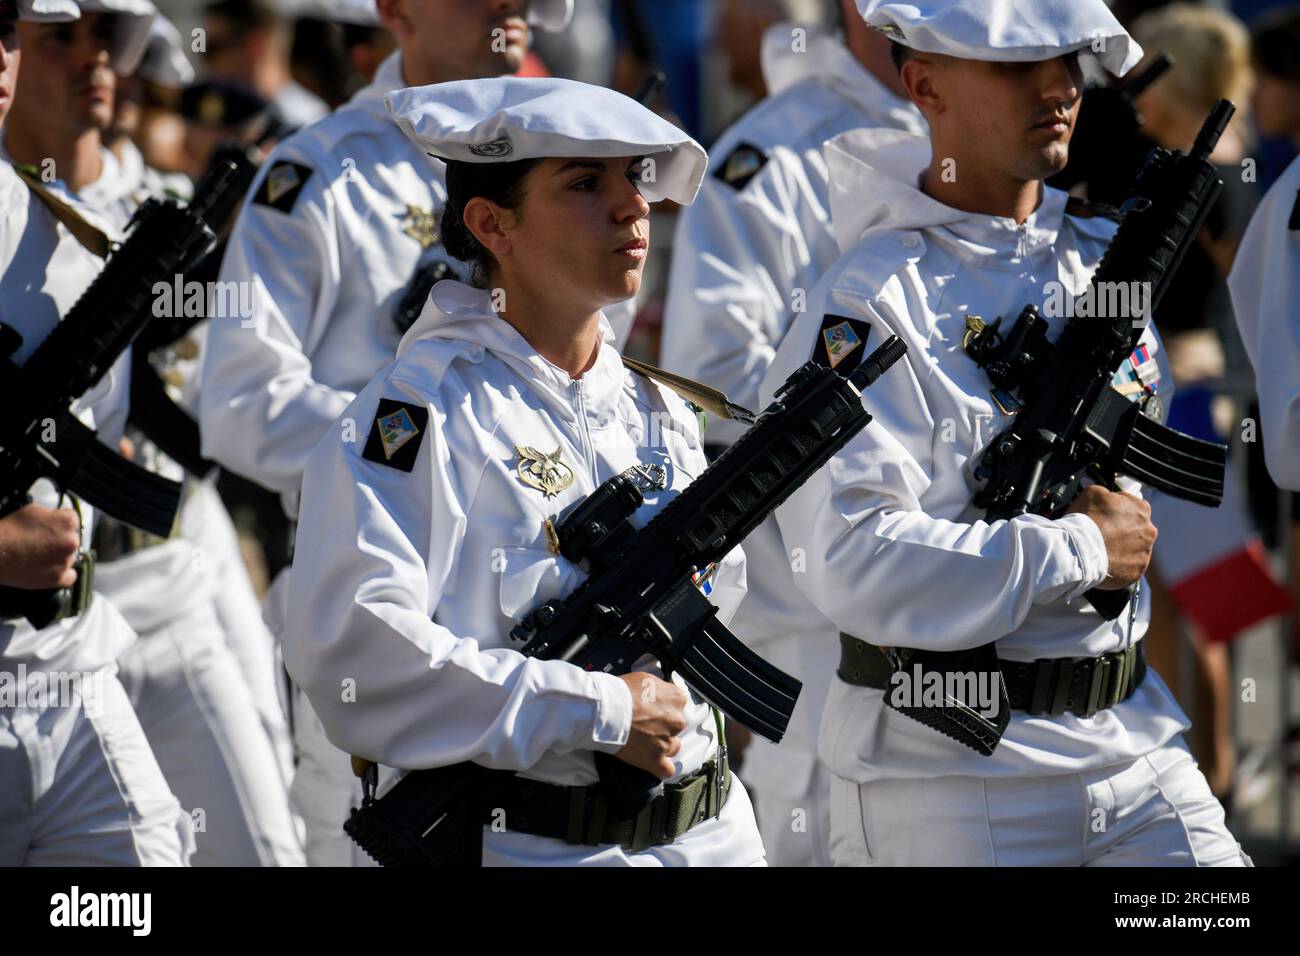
581, 407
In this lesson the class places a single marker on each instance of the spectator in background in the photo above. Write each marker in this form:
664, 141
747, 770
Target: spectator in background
249, 43
1209, 569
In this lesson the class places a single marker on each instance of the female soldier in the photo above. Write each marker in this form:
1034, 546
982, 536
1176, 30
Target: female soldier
423, 531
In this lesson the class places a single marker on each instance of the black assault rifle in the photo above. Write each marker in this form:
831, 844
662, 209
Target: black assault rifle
640, 597
1071, 424
40, 437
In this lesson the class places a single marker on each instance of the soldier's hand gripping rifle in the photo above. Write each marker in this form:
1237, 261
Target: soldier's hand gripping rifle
1071, 423
640, 598
40, 437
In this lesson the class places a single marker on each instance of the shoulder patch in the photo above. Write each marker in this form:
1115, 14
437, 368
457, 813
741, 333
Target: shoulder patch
396, 435
1294, 224
841, 343
741, 165
283, 182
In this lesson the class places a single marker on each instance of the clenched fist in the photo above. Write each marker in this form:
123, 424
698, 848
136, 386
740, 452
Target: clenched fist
38, 548
1125, 523
657, 718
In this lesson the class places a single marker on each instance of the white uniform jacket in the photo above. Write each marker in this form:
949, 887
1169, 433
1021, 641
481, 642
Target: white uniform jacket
1265, 286
409, 573
896, 553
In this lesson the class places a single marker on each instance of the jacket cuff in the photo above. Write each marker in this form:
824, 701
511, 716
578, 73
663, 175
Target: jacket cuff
613, 720
1089, 549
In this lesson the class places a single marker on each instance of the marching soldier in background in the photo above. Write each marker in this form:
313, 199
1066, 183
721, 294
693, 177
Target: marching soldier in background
746, 255
184, 681
79, 784
340, 244
896, 553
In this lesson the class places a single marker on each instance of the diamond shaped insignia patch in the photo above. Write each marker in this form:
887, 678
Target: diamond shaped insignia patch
396, 435
841, 343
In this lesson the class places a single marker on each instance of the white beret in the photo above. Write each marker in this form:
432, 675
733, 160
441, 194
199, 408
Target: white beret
1006, 31
135, 17
48, 11
509, 118
165, 62
550, 15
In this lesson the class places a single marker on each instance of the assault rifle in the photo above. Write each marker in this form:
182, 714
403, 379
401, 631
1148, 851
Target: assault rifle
641, 597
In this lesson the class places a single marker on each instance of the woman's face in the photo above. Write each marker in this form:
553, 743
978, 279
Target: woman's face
582, 229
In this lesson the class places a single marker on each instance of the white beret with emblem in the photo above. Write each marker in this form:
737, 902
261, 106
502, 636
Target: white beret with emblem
135, 18
48, 11
508, 118
1006, 31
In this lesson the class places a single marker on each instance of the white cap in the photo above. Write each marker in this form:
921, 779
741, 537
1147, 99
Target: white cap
135, 17
48, 11
550, 15
1006, 31
165, 62
509, 118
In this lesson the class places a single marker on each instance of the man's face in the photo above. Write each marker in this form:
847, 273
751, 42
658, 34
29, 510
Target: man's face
66, 79
1016, 117
8, 65
466, 39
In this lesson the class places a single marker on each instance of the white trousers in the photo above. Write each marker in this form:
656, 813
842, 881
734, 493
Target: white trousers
324, 791
1155, 811
204, 726
79, 786
796, 831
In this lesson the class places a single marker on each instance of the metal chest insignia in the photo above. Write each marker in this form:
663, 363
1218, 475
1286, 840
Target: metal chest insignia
392, 437
544, 472
648, 477
422, 226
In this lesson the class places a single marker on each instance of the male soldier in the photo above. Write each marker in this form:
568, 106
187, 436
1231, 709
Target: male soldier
340, 244
79, 785
746, 255
185, 683
896, 553
1265, 287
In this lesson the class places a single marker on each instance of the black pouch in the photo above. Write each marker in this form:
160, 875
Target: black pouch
430, 818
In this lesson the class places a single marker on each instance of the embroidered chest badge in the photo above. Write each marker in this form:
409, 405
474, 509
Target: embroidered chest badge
544, 472
422, 226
